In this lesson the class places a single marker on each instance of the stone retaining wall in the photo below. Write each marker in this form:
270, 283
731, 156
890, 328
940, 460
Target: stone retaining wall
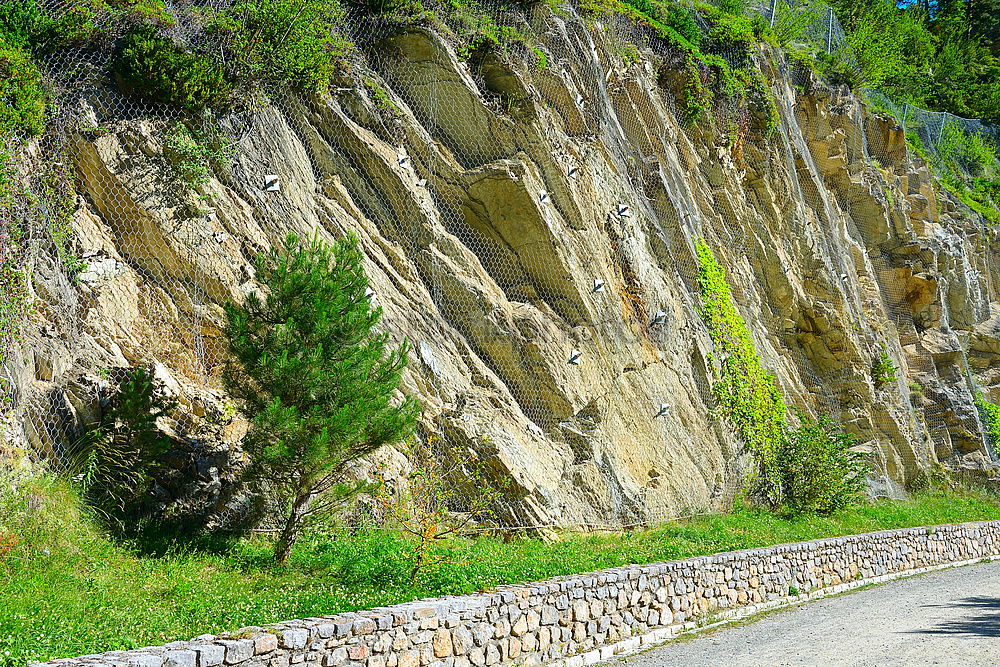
580, 619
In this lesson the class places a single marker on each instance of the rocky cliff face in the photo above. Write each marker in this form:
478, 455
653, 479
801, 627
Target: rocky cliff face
514, 217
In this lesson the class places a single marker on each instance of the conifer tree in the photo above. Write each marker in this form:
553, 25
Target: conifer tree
316, 381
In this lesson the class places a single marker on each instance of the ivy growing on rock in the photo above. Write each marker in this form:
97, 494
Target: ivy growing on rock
698, 95
747, 394
989, 415
809, 469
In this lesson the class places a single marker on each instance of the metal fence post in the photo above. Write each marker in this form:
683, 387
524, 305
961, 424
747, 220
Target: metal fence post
829, 32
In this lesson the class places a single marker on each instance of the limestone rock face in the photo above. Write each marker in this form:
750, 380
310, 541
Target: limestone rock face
512, 218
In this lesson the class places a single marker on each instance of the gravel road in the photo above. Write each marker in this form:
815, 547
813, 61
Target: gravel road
950, 617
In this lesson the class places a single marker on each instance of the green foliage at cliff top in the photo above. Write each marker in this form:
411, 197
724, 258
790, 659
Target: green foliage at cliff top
22, 97
69, 590
153, 68
294, 42
942, 55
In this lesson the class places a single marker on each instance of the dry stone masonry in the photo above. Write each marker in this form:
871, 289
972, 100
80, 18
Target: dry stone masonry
580, 619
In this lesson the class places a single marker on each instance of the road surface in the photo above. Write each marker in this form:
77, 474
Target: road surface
949, 617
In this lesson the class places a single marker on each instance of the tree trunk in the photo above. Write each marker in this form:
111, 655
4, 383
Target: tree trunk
290, 532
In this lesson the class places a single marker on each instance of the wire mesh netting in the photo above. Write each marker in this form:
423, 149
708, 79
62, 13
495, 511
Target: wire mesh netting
494, 246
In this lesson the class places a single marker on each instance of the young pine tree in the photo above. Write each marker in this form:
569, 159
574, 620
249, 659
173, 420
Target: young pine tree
315, 380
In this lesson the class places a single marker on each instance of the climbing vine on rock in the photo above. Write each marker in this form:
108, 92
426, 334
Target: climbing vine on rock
746, 392
989, 414
698, 95
809, 469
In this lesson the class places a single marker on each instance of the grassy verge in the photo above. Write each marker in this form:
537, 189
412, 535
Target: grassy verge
70, 590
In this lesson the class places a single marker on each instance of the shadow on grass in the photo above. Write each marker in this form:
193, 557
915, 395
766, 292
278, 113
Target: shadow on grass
158, 538
982, 620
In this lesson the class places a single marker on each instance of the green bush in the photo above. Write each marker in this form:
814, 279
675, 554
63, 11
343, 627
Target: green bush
791, 22
42, 30
934, 59
22, 96
733, 29
476, 28
644, 6
883, 371
22, 22
682, 20
805, 470
193, 152
753, 91
733, 7
112, 461
980, 194
14, 296
984, 197
706, 76
142, 12
966, 154
820, 474
297, 41
153, 67
989, 414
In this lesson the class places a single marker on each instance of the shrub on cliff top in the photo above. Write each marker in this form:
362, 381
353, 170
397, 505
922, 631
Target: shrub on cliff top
966, 154
39, 28
21, 22
150, 66
297, 41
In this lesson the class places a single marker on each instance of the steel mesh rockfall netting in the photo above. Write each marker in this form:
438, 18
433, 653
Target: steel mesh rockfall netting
172, 267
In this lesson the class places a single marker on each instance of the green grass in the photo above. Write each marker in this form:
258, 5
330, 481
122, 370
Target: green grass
70, 590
